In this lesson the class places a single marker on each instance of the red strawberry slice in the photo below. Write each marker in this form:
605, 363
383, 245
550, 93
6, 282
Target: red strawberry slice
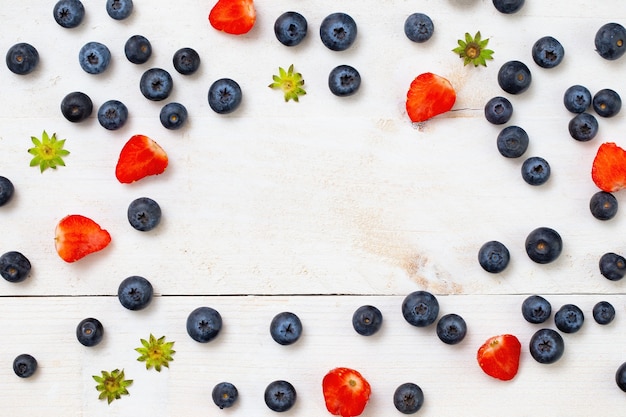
346, 392
139, 158
77, 236
233, 16
499, 356
609, 168
429, 96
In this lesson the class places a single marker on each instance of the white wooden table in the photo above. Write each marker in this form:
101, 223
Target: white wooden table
314, 207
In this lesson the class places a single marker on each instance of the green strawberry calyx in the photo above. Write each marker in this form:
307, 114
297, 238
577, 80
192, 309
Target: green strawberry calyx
474, 50
48, 152
290, 82
112, 385
156, 352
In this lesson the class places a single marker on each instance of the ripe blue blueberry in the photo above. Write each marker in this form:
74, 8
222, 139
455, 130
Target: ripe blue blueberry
138, 49
344, 80
607, 102
367, 320
173, 116
76, 106
603, 205
22, 58
548, 52
112, 114
451, 329
135, 292
493, 257
68, 13
419, 27
408, 398
498, 110
603, 312
204, 324
514, 77
119, 9
186, 61
577, 98
24, 365
536, 309
144, 214
546, 346
610, 41
612, 266
94, 57
512, 142
286, 328
89, 332
6, 190
224, 395
290, 28
338, 31
156, 84
420, 308
583, 127
280, 396
620, 377
535, 170
14, 266
508, 6
569, 318
543, 245
224, 96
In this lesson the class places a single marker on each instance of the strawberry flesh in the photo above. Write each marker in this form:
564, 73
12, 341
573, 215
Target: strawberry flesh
77, 236
499, 356
139, 158
235, 17
346, 392
609, 168
429, 95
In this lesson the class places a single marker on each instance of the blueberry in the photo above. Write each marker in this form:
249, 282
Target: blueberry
173, 116
577, 98
68, 13
204, 324
24, 365
451, 329
14, 266
408, 398
22, 58
610, 41
119, 9
569, 318
76, 106
138, 49
224, 96
512, 142
367, 320
546, 346
224, 395
290, 28
535, 170
583, 127
508, 6
280, 396
6, 190
514, 77
603, 312
547, 52
420, 308
94, 57
493, 256
338, 31
144, 214
112, 114
536, 309
620, 377
186, 61
543, 245
89, 332
606, 103
603, 205
419, 27
135, 292
344, 80
285, 328
498, 110
612, 266
156, 84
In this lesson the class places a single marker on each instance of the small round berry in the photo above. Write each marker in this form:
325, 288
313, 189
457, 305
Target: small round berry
419, 27
89, 332
606, 103
224, 395
6, 190
138, 49
603, 205
514, 77
367, 320
224, 96
543, 245
612, 266
493, 256
546, 346
156, 84
603, 312
135, 293
94, 57
280, 396
112, 114
610, 41
408, 398
577, 99
286, 328
68, 13
508, 6
536, 309
338, 31
204, 324
498, 110
344, 80
569, 318
119, 9
186, 61
620, 377
451, 329
24, 365
548, 52
76, 106
290, 28
144, 214
173, 116
22, 58
14, 266
512, 142
420, 308
583, 127
535, 170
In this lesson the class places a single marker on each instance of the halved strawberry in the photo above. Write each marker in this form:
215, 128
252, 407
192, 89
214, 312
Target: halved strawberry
499, 356
609, 168
346, 392
77, 236
233, 16
139, 158
429, 95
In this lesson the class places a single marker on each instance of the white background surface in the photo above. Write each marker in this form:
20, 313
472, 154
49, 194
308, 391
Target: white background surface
315, 207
